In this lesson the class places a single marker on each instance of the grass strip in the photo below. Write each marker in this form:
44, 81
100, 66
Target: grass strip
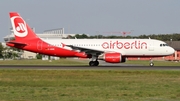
44, 62
78, 62
156, 63
89, 85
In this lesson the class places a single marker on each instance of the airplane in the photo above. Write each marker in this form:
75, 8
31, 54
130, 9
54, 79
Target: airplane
109, 50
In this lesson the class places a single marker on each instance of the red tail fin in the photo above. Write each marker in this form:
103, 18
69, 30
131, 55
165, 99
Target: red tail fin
21, 30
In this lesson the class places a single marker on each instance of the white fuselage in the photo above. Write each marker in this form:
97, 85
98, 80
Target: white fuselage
127, 47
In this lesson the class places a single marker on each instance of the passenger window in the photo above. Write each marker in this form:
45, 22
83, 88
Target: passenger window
161, 45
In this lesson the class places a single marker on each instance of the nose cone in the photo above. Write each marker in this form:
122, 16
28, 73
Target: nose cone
171, 50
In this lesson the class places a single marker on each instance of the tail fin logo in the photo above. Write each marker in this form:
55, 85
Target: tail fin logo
19, 26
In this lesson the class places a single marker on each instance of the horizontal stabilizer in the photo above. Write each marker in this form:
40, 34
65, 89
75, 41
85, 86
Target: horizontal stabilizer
13, 43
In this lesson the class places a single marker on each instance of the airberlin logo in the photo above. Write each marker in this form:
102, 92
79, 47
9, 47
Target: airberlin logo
125, 45
19, 26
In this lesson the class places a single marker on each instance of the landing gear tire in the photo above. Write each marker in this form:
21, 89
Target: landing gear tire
96, 63
151, 64
93, 63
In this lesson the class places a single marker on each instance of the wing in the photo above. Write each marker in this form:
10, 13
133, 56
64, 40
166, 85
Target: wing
86, 50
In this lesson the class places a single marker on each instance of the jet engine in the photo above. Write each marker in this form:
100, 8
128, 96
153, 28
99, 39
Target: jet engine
112, 57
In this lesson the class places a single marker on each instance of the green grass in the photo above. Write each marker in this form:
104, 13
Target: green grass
75, 62
89, 85
156, 63
44, 62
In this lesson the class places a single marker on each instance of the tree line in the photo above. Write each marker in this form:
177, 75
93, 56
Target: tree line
9, 52
13, 53
163, 37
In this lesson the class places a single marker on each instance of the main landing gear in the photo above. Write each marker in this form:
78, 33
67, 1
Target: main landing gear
93, 63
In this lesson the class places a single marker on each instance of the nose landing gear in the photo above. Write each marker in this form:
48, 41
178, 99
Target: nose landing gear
151, 62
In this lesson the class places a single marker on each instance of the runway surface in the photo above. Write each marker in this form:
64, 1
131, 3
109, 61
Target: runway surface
109, 67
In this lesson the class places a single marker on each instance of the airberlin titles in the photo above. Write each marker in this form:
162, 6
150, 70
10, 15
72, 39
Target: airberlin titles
126, 45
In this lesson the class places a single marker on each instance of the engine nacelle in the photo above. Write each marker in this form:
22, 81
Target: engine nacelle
113, 57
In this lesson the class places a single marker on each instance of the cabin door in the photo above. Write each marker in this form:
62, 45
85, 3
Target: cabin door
39, 45
151, 46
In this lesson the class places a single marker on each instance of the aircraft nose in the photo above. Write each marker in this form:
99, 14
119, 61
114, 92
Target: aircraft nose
171, 50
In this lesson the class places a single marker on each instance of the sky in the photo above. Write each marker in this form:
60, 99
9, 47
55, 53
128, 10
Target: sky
95, 16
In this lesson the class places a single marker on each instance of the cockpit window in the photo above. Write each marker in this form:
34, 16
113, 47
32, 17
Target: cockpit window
163, 45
